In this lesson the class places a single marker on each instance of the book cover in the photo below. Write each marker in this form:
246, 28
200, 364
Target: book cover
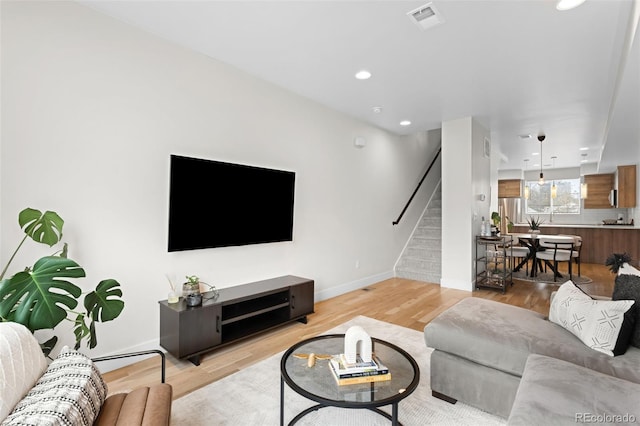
362, 374
359, 369
357, 372
359, 380
359, 362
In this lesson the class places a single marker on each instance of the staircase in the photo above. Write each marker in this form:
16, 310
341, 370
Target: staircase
422, 258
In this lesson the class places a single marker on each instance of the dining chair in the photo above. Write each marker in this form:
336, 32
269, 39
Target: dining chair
577, 249
557, 249
519, 251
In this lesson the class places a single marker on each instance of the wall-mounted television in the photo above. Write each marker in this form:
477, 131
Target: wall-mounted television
219, 204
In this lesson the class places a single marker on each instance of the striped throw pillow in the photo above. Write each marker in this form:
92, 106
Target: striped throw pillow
70, 392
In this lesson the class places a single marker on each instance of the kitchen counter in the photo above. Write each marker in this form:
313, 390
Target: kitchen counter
598, 241
580, 225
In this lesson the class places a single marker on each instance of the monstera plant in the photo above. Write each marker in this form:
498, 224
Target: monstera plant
42, 296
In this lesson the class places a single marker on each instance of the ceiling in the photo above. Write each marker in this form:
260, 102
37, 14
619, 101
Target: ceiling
519, 66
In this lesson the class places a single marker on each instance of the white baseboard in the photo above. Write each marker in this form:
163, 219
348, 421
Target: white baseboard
457, 284
105, 366
353, 285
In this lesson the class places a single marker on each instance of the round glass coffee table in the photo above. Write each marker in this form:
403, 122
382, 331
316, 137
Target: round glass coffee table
318, 384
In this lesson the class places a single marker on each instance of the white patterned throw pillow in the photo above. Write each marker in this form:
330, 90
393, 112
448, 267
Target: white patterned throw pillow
70, 392
599, 324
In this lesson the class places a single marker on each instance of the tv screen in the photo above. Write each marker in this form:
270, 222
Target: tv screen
217, 204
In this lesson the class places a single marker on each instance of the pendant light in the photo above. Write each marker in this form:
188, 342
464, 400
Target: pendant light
541, 180
554, 189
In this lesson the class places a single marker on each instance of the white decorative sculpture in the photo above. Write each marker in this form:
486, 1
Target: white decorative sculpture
357, 341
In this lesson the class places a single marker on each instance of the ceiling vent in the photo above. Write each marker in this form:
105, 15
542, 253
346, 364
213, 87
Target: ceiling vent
426, 16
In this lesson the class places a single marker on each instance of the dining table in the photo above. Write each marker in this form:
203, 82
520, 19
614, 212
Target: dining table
530, 240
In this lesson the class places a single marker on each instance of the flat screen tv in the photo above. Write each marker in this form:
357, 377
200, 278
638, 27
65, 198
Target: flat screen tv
218, 204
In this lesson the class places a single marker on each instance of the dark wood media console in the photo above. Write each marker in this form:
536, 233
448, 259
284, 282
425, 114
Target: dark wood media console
236, 313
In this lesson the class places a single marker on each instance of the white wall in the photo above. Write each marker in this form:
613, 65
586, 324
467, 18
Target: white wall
465, 175
92, 109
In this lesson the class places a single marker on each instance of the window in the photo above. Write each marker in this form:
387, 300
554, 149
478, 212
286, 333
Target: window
567, 200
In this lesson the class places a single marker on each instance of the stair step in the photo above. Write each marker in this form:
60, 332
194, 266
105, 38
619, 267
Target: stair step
433, 212
428, 232
417, 264
418, 276
422, 258
435, 222
424, 253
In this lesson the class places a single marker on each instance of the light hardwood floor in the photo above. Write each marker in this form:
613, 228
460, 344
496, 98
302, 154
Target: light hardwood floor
403, 302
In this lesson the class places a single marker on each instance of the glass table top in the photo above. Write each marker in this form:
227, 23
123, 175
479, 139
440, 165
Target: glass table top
318, 383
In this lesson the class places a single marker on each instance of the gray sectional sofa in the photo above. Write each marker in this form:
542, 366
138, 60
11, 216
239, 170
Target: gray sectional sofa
489, 354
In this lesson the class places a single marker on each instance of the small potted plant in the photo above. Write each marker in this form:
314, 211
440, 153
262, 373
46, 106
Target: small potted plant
191, 291
495, 218
534, 224
509, 224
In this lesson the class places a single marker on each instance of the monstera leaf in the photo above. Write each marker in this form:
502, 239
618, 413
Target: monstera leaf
40, 298
43, 228
102, 305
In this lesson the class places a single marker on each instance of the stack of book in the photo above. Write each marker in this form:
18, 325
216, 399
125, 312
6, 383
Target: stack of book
359, 372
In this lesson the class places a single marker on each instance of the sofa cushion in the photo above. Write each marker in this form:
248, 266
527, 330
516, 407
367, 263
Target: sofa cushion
502, 336
627, 287
21, 364
556, 392
145, 406
490, 333
628, 269
600, 324
70, 392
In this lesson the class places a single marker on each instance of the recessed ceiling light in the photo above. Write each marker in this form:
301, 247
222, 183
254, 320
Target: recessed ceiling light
535, 153
363, 75
568, 4
526, 136
405, 123
376, 109
584, 161
584, 148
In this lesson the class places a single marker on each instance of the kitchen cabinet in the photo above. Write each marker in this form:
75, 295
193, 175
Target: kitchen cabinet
509, 188
627, 186
598, 190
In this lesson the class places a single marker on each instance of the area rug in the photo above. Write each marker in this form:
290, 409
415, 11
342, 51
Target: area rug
251, 397
547, 277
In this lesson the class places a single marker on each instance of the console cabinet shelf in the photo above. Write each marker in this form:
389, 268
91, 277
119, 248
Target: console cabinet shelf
236, 313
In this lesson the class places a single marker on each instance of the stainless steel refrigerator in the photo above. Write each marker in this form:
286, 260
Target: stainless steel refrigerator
509, 208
